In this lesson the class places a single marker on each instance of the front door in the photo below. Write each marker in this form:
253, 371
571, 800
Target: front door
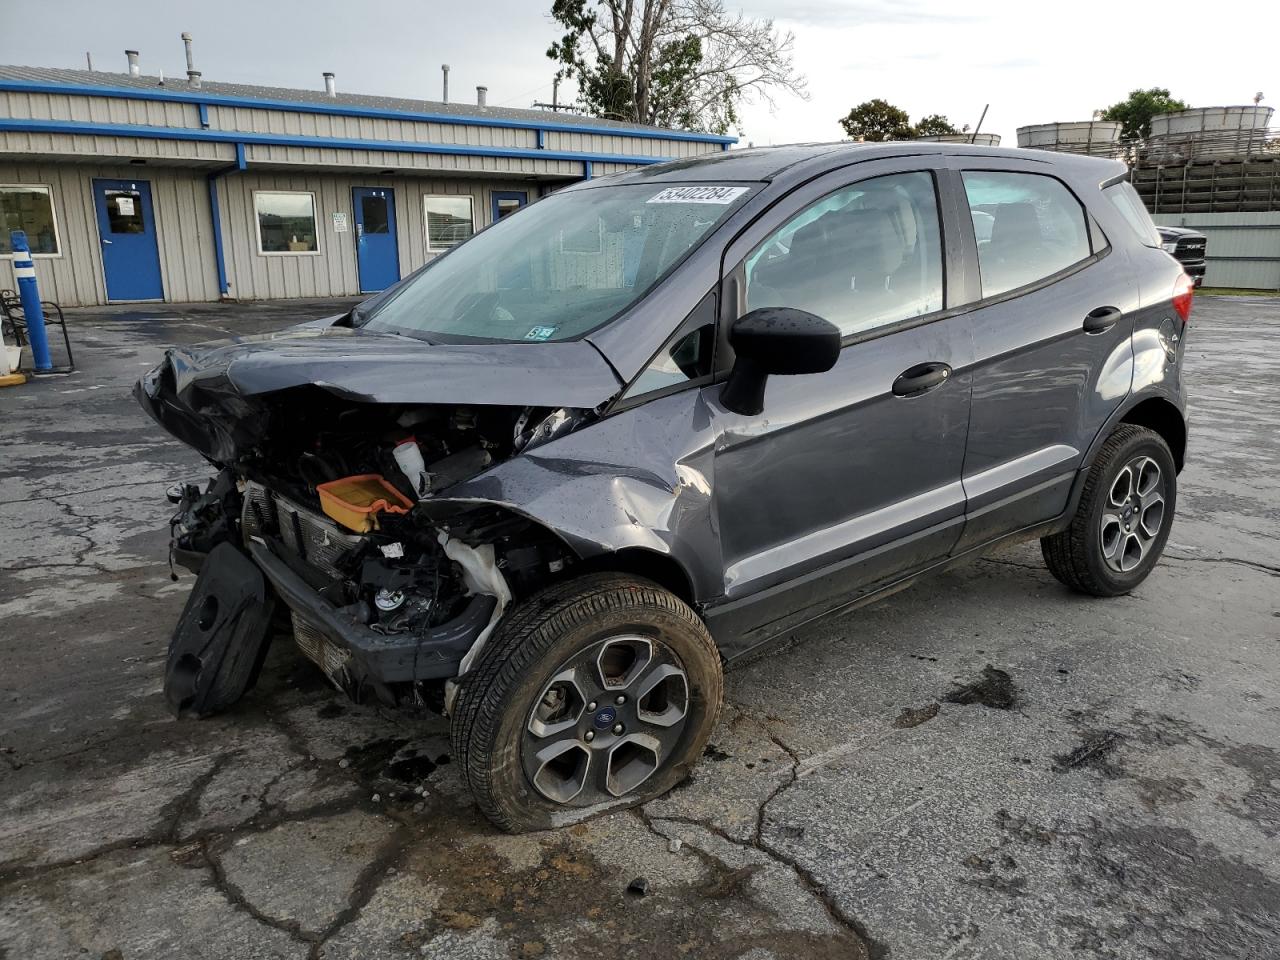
127, 235
377, 254
849, 479
507, 202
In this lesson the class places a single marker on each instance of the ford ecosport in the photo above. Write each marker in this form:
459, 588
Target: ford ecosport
552, 481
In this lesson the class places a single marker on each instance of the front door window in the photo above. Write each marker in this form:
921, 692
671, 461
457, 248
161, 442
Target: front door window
863, 257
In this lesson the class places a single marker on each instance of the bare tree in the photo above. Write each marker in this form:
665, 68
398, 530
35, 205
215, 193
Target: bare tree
682, 63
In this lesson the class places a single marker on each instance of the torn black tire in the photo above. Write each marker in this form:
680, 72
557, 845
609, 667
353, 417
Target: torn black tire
222, 637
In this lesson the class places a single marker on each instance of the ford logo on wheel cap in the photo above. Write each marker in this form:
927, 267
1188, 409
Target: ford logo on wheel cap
605, 717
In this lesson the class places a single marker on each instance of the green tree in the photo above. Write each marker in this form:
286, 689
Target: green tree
877, 120
933, 125
680, 63
1135, 112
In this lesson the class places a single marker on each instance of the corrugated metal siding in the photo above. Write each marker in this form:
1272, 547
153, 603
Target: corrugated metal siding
57, 106
1243, 248
184, 232
122, 110
108, 148
397, 160
332, 272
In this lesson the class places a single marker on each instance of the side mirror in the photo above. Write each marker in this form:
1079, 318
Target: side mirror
776, 340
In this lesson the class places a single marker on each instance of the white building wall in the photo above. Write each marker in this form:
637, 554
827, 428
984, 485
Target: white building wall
184, 231
332, 271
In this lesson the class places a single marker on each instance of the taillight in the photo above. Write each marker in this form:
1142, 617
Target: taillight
1184, 292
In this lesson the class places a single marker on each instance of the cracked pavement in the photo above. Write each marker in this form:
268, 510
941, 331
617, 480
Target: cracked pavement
1110, 787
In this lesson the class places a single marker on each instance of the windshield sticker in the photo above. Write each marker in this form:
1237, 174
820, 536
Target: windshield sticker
709, 194
540, 333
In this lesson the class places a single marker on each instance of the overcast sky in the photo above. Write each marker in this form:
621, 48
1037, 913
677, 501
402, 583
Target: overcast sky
927, 56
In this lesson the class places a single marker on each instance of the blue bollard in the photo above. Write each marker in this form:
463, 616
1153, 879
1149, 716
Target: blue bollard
24, 269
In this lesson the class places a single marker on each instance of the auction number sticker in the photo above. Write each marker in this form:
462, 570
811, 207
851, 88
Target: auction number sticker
707, 194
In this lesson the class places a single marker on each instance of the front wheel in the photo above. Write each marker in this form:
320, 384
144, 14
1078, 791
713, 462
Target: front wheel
596, 693
1123, 518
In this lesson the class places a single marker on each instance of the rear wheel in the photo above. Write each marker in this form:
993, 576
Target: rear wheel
1123, 518
596, 693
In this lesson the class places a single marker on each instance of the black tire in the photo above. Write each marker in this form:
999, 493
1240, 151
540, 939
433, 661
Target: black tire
537, 638
1075, 556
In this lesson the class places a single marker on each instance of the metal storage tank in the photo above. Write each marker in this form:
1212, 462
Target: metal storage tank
1209, 133
978, 139
1209, 119
1094, 137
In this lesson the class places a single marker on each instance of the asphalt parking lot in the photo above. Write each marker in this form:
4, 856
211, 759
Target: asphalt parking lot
983, 766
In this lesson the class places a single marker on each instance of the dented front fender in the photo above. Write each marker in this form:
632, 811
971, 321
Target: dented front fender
639, 479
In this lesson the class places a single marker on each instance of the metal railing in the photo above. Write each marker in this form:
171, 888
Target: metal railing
1181, 147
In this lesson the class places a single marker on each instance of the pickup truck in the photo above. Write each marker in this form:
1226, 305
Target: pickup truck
1187, 247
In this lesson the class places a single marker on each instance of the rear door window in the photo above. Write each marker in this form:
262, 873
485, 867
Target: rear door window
1028, 227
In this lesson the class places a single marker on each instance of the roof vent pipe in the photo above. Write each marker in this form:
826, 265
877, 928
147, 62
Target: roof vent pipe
134, 69
186, 42
444, 68
193, 79
482, 95
330, 89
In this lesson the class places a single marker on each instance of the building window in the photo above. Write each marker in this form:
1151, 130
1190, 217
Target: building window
30, 208
450, 220
286, 222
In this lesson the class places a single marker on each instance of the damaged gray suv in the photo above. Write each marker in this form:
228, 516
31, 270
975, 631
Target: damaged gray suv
551, 482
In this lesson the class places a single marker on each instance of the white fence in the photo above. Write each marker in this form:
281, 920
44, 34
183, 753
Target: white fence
1243, 248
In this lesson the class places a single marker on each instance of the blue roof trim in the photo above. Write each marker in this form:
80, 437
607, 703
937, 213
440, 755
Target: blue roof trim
81, 128
349, 110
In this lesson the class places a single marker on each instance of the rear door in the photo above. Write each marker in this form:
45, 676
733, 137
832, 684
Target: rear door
849, 478
1052, 341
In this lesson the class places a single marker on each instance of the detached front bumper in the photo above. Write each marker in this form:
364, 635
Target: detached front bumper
252, 549
351, 652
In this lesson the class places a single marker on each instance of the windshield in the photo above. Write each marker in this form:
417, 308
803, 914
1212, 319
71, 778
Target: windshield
558, 269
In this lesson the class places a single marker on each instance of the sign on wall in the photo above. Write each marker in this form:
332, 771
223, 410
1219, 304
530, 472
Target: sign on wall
339, 223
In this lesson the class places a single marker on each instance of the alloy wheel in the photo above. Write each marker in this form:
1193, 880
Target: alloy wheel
1133, 515
606, 721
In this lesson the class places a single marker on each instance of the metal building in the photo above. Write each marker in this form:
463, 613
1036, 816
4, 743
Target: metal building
137, 188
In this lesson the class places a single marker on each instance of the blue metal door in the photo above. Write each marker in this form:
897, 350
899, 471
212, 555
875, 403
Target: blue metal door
515, 274
127, 231
507, 202
377, 255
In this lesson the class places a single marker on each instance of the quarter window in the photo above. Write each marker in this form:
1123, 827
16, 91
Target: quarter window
1126, 200
28, 208
1028, 227
286, 222
864, 257
450, 220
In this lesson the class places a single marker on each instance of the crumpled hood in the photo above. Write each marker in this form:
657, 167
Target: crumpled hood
215, 397
385, 368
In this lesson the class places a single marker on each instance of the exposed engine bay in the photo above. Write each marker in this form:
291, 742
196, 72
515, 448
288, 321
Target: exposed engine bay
392, 606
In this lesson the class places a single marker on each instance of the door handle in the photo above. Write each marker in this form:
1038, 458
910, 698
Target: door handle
921, 378
1103, 318
105, 240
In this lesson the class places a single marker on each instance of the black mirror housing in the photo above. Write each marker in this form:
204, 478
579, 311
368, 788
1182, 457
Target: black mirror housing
776, 340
